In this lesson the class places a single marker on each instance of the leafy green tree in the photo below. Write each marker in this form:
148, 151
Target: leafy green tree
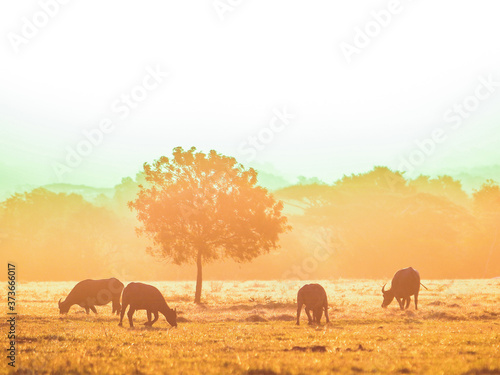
197, 208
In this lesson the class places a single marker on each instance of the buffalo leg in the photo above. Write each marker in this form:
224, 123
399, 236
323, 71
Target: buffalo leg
308, 312
401, 303
122, 312
416, 301
130, 314
86, 310
299, 309
116, 307
326, 313
148, 323
92, 307
317, 314
406, 302
156, 317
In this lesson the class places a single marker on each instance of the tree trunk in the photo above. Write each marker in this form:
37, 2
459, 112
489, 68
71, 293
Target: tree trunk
197, 296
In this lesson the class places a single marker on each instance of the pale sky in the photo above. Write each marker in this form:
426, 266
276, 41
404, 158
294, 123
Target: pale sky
274, 70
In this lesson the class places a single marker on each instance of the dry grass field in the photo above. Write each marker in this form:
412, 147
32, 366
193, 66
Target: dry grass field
249, 328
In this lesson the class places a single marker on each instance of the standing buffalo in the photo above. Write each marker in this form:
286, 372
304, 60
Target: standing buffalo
146, 297
89, 293
405, 283
314, 297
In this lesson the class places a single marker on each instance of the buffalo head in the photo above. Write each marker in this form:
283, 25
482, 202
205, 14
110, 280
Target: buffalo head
63, 307
172, 317
388, 296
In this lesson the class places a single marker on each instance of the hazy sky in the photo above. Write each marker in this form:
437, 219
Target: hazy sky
314, 88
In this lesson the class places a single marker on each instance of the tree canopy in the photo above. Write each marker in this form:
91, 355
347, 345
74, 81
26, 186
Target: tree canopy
197, 208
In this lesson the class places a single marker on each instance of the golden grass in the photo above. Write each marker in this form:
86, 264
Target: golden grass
455, 331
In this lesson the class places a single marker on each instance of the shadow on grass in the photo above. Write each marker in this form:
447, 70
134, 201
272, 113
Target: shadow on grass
143, 328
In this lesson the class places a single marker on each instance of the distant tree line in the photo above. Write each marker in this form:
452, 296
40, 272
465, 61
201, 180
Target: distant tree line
380, 222
363, 226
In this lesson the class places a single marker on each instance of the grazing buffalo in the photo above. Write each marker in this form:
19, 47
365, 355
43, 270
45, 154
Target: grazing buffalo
89, 293
314, 297
405, 283
146, 297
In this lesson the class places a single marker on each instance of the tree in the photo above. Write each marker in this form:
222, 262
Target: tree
487, 208
57, 236
306, 196
487, 198
444, 186
197, 208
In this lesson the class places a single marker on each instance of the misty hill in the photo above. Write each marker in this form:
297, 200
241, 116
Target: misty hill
87, 192
272, 181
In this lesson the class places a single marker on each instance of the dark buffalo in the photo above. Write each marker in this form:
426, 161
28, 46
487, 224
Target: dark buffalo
314, 297
90, 293
146, 297
405, 283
